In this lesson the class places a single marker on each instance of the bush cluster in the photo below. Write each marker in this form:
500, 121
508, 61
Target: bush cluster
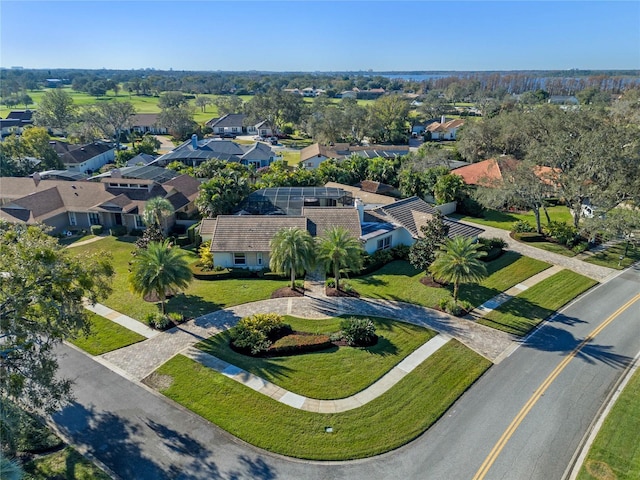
359, 332
256, 333
469, 206
96, 229
522, 226
379, 258
529, 237
454, 308
299, 343
163, 322
562, 233
118, 231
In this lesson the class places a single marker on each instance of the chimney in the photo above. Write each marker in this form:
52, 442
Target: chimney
443, 119
360, 207
194, 141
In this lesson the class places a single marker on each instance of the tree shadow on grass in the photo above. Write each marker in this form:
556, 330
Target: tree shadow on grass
383, 348
553, 339
191, 306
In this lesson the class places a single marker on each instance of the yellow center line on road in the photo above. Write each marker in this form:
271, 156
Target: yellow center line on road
493, 455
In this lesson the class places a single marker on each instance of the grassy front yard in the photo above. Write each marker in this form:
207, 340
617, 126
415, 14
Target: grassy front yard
105, 336
401, 281
611, 256
505, 220
333, 373
391, 420
523, 312
615, 452
201, 297
65, 464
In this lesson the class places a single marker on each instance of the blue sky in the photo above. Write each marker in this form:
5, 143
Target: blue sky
321, 36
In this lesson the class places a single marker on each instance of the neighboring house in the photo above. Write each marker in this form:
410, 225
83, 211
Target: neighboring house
265, 129
65, 205
87, 158
444, 129
371, 94
194, 152
147, 123
139, 172
141, 159
60, 175
313, 155
16, 122
399, 224
489, 172
230, 123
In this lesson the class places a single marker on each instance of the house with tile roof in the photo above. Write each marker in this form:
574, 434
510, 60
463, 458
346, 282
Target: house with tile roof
313, 155
16, 122
84, 158
195, 152
488, 173
230, 123
65, 205
147, 123
444, 129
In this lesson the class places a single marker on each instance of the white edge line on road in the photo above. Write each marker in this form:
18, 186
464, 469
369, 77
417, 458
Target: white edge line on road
571, 473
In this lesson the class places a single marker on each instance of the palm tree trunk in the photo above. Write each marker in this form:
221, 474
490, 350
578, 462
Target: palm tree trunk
162, 299
336, 274
455, 292
293, 279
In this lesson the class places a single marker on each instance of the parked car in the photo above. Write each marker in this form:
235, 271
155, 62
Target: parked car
273, 140
227, 135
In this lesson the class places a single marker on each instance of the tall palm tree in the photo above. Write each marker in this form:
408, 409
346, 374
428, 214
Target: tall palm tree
156, 210
339, 249
159, 269
458, 262
293, 251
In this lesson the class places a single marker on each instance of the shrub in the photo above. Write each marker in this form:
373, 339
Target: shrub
401, 252
176, 317
581, 247
522, 226
490, 243
299, 343
192, 233
469, 206
158, 321
347, 287
256, 333
96, 229
561, 232
330, 282
118, 231
206, 257
136, 232
359, 332
529, 237
454, 308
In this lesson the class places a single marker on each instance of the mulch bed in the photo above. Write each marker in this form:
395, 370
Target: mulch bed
288, 292
430, 282
332, 292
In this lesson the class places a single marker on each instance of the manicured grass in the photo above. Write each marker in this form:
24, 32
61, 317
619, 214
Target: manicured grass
553, 247
615, 453
389, 421
401, 281
523, 312
65, 464
505, 220
75, 239
332, 373
105, 336
201, 297
292, 158
611, 256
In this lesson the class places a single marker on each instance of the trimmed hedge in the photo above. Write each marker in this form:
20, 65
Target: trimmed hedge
297, 343
118, 231
227, 273
96, 229
529, 237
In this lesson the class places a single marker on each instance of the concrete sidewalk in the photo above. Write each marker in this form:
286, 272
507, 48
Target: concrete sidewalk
121, 319
260, 385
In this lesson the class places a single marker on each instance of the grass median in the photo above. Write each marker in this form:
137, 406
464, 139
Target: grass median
337, 372
388, 422
522, 313
105, 336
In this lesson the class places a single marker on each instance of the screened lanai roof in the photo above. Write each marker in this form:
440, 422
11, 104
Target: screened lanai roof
291, 200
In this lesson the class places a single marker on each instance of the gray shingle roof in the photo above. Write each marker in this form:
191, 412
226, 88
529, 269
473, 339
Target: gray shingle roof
323, 218
241, 233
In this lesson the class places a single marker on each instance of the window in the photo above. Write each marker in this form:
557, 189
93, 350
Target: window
139, 222
259, 258
239, 259
94, 218
384, 243
72, 219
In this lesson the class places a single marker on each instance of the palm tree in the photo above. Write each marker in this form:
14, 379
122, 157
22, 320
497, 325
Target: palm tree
458, 262
292, 250
159, 269
339, 249
156, 210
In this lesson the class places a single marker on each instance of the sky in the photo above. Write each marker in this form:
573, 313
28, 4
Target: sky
326, 35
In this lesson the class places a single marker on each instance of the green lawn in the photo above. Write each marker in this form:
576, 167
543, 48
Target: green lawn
66, 464
505, 220
611, 256
201, 297
400, 281
105, 336
75, 239
391, 420
332, 373
615, 453
523, 312
292, 158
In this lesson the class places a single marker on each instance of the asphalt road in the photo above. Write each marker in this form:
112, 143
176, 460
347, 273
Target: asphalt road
139, 434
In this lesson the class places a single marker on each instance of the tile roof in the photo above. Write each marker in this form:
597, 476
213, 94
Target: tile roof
323, 218
82, 153
144, 120
340, 151
207, 227
216, 148
241, 233
446, 126
480, 173
25, 116
228, 120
